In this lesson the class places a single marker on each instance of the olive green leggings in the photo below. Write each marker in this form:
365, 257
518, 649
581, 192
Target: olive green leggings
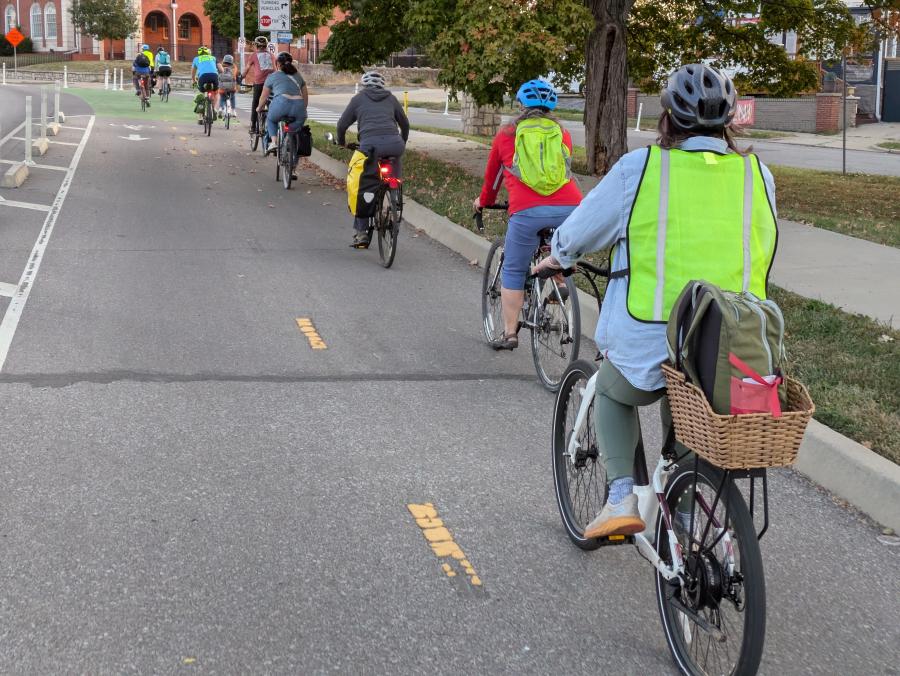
618, 426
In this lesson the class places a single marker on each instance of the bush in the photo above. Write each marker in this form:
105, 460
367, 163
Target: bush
6, 49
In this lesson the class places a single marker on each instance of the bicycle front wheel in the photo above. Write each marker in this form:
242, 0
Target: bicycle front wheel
387, 228
579, 479
285, 158
556, 335
715, 619
207, 117
491, 306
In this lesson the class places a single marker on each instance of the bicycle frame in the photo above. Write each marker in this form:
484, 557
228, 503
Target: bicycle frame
650, 497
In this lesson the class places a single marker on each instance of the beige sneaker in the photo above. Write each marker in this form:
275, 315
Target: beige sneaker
621, 519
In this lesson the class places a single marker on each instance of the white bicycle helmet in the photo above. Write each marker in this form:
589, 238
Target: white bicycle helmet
372, 79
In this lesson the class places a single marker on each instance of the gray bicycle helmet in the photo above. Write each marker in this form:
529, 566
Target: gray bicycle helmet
372, 79
228, 58
699, 98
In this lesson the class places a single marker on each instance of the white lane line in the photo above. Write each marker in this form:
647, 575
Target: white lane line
56, 143
17, 304
12, 134
38, 166
23, 205
8, 290
66, 126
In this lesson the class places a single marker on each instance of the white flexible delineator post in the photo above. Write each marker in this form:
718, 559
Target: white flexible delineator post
28, 159
65, 77
4, 72
447, 105
637, 126
43, 113
106, 79
57, 115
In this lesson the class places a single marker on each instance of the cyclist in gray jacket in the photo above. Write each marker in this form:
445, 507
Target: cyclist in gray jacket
382, 127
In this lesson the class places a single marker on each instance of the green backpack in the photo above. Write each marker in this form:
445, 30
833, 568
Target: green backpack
723, 341
541, 160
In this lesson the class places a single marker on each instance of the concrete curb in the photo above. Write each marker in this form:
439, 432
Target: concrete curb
848, 469
853, 472
15, 175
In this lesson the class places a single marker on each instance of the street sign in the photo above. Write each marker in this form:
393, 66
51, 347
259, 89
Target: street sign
274, 15
745, 113
285, 36
14, 37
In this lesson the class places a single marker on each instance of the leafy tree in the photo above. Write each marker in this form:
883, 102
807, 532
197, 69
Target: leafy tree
105, 19
306, 16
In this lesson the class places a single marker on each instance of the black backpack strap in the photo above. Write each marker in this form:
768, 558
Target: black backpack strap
619, 274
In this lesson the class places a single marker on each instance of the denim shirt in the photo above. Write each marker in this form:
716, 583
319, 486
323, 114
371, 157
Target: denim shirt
636, 348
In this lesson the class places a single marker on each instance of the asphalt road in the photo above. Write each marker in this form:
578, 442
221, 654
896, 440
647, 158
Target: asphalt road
806, 157
187, 484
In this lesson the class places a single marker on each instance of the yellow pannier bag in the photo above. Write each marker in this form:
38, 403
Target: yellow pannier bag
362, 184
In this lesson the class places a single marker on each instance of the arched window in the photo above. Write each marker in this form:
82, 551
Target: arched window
37, 22
10, 16
50, 21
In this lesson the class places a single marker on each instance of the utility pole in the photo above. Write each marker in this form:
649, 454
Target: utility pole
243, 40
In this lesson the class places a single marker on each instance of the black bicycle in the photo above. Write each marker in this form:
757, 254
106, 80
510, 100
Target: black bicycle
208, 111
389, 206
287, 152
550, 310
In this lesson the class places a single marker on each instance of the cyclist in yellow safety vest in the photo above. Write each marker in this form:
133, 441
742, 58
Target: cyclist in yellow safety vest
691, 207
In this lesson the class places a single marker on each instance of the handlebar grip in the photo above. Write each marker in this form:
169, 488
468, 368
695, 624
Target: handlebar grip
551, 272
479, 220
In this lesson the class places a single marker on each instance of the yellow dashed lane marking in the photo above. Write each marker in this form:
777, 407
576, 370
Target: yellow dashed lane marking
439, 538
309, 330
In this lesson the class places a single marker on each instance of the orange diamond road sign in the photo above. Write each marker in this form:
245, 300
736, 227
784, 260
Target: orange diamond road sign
14, 37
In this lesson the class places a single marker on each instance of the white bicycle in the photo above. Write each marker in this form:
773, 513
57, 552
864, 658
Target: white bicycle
710, 587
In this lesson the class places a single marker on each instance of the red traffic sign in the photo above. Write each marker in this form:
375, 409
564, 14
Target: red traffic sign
14, 37
264, 20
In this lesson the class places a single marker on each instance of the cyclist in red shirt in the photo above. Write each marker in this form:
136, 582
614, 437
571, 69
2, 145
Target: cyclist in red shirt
530, 211
262, 63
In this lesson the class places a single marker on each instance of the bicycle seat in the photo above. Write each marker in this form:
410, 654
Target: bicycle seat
288, 120
546, 233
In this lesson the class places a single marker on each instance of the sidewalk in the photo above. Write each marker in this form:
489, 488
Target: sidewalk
852, 274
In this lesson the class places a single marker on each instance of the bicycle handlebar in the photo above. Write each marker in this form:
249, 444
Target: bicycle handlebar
479, 217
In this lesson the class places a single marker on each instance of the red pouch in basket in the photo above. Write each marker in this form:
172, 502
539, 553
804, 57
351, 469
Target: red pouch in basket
759, 396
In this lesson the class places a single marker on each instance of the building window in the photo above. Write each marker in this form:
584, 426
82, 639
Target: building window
184, 28
165, 32
10, 15
152, 23
37, 23
50, 21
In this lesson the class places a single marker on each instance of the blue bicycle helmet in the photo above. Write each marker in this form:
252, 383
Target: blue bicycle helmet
537, 93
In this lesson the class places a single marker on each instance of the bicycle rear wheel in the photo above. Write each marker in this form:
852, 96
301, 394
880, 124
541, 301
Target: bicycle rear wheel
227, 119
580, 482
388, 228
285, 158
491, 308
556, 335
207, 117
143, 102
715, 621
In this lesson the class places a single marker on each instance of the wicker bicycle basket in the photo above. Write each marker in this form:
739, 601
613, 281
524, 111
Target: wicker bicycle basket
746, 441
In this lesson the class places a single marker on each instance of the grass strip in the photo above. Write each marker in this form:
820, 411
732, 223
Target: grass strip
889, 145
859, 205
850, 363
125, 105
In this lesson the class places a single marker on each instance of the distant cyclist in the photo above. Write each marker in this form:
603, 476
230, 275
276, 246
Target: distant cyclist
382, 127
262, 65
205, 75
538, 197
228, 85
140, 67
145, 50
290, 98
163, 66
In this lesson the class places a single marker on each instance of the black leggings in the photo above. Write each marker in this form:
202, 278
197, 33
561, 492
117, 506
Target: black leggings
257, 93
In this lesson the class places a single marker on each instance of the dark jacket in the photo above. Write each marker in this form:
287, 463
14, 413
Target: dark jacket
376, 112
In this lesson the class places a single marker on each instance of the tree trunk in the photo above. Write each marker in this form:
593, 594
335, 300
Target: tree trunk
606, 99
478, 120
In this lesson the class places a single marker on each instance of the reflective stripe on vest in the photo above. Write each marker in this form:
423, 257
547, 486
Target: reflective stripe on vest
697, 215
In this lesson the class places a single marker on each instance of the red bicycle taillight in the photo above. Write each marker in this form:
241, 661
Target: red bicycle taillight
285, 128
385, 170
